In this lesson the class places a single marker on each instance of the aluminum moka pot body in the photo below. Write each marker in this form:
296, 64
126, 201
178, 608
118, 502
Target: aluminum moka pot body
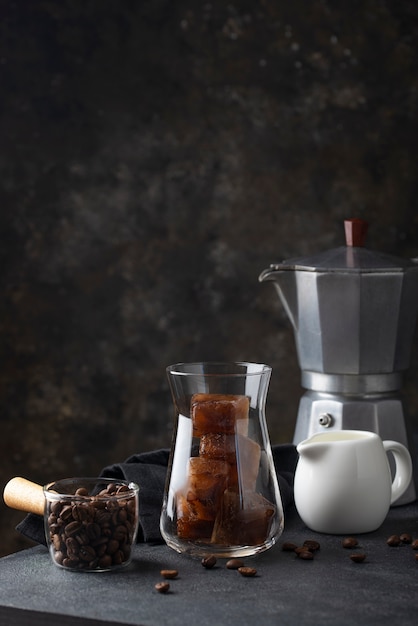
353, 314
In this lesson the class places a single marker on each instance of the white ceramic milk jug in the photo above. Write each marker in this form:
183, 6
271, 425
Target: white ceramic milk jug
343, 482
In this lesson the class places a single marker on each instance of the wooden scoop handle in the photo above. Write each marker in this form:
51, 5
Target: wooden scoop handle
24, 495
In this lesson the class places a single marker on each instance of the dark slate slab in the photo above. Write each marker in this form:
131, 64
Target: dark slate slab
331, 589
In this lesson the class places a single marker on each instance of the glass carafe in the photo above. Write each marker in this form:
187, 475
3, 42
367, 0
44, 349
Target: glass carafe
221, 496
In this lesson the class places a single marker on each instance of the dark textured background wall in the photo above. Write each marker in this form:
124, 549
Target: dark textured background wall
155, 157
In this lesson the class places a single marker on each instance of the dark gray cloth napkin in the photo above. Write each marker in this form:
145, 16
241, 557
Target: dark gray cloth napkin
149, 470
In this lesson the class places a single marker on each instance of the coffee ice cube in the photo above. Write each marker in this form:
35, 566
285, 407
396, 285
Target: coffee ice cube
242, 453
198, 501
207, 478
243, 519
219, 413
192, 523
248, 455
218, 446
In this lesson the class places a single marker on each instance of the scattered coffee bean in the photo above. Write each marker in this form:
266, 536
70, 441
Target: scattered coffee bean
234, 563
300, 549
247, 571
311, 545
405, 538
209, 561
414, 544
288, 546
305, 555
162, 587
349, 542
169, 573
393, 540
357, 557
416, 557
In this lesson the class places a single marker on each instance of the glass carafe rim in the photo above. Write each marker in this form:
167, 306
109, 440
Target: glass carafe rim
225, 368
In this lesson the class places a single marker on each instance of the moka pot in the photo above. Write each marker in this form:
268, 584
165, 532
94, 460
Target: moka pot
353, 313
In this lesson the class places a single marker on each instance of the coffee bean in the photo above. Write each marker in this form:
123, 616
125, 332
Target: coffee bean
169, 573
82, 513
114, 517
56, 507
162, 587
56, 542
393, 540
67, 512
288, 546
82, 537
112, 506
405, 538
73, 547
87, 553
105, 561
358, 557
69, 563
234, 563
102, 517
59, 557
100, 548
247, 571
118, 557
98, 502
93, 530
102, 539
72, 528
349, 542
112, 546
111, 488
120, 532
209, 561
414, 544
305, 555
311, 545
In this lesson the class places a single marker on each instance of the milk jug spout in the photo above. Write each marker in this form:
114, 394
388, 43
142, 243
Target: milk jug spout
312, 450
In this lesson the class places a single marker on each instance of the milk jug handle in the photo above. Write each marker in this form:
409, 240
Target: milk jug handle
403, 472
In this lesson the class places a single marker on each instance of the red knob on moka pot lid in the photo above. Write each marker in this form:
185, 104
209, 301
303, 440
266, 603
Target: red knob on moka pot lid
355, 232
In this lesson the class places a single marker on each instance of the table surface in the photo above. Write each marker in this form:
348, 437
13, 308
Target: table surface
330, 589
